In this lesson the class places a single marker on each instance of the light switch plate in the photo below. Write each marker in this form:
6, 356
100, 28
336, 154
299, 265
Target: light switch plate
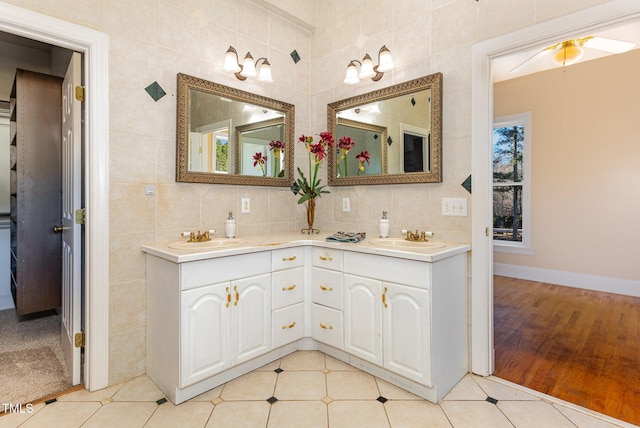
246, 205
454, 206
346, 204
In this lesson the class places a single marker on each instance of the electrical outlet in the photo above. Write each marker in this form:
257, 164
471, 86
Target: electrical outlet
246, 205
346, 204
150, 189
454, 206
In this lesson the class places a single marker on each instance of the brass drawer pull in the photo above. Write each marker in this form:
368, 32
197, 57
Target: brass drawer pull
293, 324
326, 259
288, 259
323, 288
384, 297
228, 298
326, 327
235, 288
292, 287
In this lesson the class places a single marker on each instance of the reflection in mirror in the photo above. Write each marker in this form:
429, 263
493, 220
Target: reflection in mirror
221, 131
370, 138
410, 114
254, 141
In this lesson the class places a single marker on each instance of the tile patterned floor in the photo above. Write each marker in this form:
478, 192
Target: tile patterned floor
308, 389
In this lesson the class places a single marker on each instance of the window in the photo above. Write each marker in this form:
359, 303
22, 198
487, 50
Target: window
511, 183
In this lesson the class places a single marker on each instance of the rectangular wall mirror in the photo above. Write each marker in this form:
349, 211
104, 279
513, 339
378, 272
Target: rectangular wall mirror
224, 135
399, 128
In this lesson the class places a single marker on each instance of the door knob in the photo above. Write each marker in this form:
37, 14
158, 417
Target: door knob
58, 229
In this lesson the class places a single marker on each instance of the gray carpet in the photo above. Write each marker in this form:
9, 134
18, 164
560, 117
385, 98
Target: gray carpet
31, 362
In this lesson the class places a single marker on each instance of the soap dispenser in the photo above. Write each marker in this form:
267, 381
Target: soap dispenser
384, 225
230, 226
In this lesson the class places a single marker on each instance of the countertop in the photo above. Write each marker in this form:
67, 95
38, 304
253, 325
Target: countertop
267, 242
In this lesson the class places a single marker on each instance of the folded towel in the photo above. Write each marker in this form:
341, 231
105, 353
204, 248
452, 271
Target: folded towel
347, 237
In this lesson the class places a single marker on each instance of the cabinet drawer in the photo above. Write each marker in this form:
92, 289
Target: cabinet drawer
326, 288
287, 258
392, 269
326, 258
221, 269
288, 325
327, 326
288, 287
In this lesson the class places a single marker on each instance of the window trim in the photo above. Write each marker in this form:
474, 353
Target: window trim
525, 246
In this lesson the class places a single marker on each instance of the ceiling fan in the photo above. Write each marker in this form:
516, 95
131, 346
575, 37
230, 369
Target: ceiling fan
570, 51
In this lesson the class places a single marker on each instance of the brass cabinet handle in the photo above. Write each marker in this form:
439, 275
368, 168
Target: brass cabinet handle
58, 229
293, 324
288, 259
292, 287
326, 327
384, 297
235, 288
325, 259
228, 298
323, 288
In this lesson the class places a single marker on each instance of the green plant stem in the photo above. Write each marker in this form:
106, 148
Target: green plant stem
346, 168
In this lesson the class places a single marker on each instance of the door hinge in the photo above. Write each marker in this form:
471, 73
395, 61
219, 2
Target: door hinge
486, 231
78, 340
80, 93
81, 216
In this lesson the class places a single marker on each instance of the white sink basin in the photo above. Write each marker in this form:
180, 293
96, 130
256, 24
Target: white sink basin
213, 243
403, 243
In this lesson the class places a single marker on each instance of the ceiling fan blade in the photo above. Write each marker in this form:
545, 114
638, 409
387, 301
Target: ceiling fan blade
608, 45
534, 58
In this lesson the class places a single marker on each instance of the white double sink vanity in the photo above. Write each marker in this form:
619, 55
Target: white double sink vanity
217, 312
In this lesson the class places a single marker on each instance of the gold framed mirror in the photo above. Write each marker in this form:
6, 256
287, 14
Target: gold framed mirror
220, 131
407, 118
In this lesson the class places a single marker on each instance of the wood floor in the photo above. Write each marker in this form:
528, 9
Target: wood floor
578, 345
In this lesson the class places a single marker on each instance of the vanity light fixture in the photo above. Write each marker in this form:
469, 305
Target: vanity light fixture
248, 67
367, 69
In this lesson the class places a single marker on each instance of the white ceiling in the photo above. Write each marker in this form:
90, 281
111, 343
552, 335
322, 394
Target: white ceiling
501, 66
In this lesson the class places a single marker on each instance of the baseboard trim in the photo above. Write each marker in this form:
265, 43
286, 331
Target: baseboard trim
606, 284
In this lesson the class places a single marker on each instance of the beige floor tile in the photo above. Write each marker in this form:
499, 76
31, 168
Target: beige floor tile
139, 388
520, 414
11, 420
466, 389
252, 386
298, 385
474, 414
298, 414
122, 415
392, 392
210, 395
335, 364
270, 367
582, 419
62, 415
351, 386
84, 395
357, 414
185, 415
500, 391
416, 414
303, 360
240, 415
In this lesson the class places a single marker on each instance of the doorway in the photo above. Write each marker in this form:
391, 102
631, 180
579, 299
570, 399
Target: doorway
36, 360
93, 45
592, 19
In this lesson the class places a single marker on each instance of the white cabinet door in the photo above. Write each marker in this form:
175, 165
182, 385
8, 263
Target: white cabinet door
251, 317
206, 313
407, 332
363, 318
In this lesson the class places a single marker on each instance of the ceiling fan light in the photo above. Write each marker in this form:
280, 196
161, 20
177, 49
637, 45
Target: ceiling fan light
569, 53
